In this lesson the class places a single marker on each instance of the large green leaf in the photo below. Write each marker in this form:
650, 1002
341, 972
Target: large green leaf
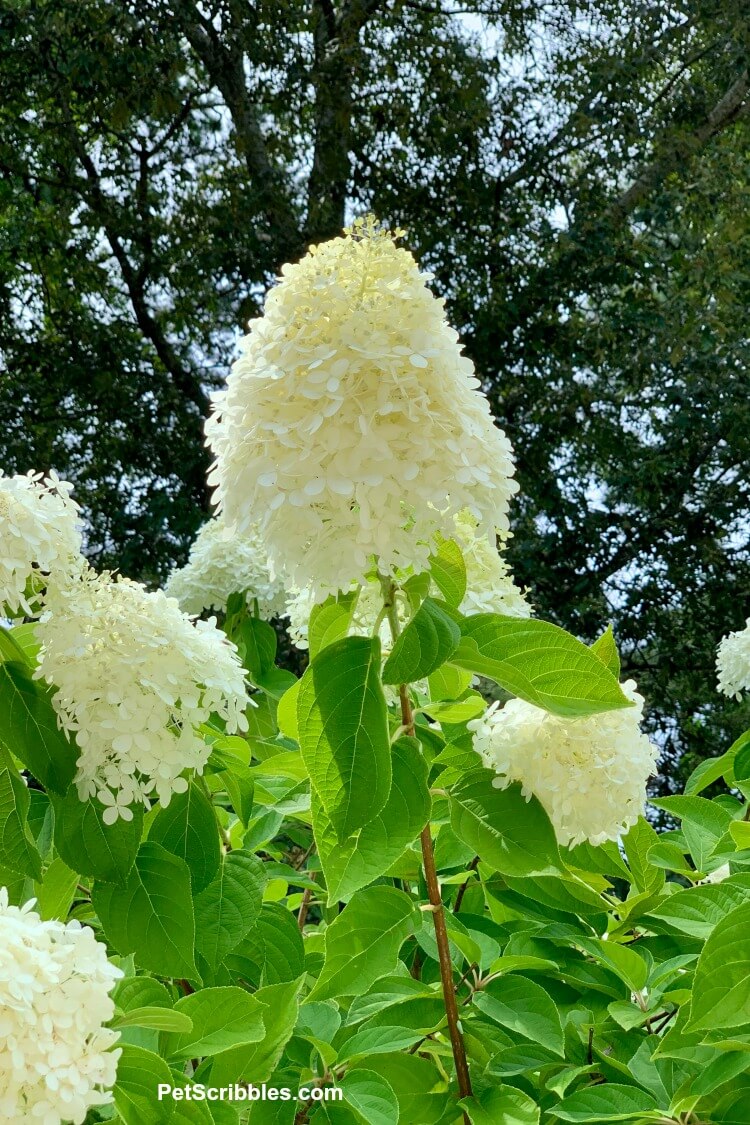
370, 1096
229, 906
28, 727
54, 894
362, 943
18, 852
256, 1062
187, 828
102, 851
502, 1104
273, 951
343, 732
425, 644
221, 1018
698, 910
638, 842
505, 830
368, 853
152, 915
608, 1102
330, 621
523, 1006
540, 663
139, 1074
419, 1087
721, 988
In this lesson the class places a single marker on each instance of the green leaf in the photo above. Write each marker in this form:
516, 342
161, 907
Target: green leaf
448, 683
425, 644
139, 1074
606, 649
221, 1018
187, 828
56, 890
343, 732
101, 851
703, 824
11, 647
502, 1104
608, 1102
509, 833
273, 951
370, 1096
637, 843
523, 1007
279, 1006
229, 906
28, 727
367, 854
18, 852
420, 1089
698, 910
256, 640
540, 663
362, 943
330, 621
238, 781
157, 1018
448, 571
152, 916
721, 987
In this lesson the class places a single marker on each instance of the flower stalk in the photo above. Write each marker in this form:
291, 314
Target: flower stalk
433, 888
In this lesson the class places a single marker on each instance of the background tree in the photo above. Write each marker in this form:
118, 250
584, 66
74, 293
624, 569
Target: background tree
575, 176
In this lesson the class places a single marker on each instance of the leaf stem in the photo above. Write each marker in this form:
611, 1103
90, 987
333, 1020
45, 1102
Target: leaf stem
433, 886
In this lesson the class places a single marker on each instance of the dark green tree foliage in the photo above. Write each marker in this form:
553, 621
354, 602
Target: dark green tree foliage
575, 176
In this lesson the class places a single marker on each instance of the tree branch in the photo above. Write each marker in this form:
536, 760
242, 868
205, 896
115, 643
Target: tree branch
225, 65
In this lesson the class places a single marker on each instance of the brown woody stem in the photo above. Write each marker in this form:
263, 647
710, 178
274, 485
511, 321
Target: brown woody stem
433, 890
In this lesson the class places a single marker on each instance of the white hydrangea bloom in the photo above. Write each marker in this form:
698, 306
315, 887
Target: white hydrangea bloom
222, 563
38, 533
134, 678
352, 427
489, 584
56, 1059
589, 773
733, 662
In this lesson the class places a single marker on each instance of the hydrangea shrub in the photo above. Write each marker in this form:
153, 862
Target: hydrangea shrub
215, 873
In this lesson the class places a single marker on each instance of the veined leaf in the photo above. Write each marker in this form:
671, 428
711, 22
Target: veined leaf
540, 663
425, 644
343, 732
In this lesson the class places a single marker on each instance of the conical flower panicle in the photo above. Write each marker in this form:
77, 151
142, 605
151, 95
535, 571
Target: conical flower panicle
352, 428
134, 679
733, 662
589, 773
56, 1057
39, 534
222, 563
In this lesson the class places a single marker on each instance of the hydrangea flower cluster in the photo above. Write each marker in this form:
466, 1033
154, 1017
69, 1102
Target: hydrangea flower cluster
56, 1059
733, 662
222, 563
352, 427
134, 680
489, 584
38, 534
589, 773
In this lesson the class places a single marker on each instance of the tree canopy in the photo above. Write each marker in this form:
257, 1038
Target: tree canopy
575, 176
